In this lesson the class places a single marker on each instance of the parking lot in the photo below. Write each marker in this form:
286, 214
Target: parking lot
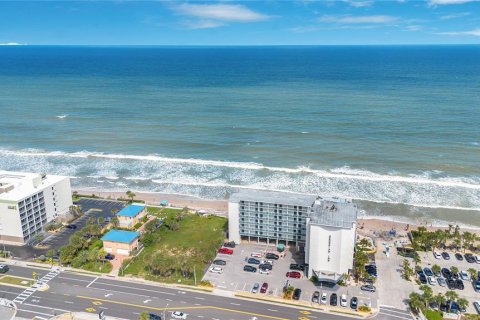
92, 208
234, 278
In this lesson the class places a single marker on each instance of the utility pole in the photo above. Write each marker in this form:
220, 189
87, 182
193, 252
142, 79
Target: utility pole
164, 311
194, 275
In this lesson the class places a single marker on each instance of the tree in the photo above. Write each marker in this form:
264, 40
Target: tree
416, 301
427, 294
360, 260
93, 254
463, 303
67, 253
364, 243
144, 316
101, 220
451, 296
416, 259
436, 269
131, 195
468, 240
440, 298
454, 269
50, 253
114, 221
473, 273
83, 257
407, 270
39, 237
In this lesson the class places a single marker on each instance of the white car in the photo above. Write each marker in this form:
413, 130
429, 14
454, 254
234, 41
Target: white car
432, 281
343, 300
437, 255
323, 300
255, 287
464, 275
216, 270
270, 262
179, 315
256, 254
263, 271
476, 304
477, 259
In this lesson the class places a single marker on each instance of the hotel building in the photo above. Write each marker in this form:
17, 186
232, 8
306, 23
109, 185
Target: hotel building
324, 228
28, 201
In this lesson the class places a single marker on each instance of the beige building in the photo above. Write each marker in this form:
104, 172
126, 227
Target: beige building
131, 215
120, 242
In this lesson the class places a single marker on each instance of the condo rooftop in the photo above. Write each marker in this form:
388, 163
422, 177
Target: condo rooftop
333, 212
286, 198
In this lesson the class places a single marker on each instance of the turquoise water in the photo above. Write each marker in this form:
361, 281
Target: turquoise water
385, 124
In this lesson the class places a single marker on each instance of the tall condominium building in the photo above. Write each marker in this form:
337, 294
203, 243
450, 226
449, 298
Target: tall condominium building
28, 201
325, 228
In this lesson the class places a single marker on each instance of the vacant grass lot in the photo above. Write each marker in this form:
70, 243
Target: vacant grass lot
194, 244
24, 282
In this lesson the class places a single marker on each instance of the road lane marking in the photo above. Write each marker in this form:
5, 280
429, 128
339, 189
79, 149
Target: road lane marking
41, 307
395, 316
199, 298
273, 310
90, 309
235, 304
68, 302
67, 278
91, 282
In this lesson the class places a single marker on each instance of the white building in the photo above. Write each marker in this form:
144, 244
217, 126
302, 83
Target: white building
324, 228
28, 201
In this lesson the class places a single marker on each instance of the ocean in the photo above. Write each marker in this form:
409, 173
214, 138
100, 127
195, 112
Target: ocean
397, 128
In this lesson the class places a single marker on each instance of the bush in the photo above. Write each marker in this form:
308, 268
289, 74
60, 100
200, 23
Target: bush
148, 239
364, 308
137, 225
314, 279
97, 244
206, 283
144, 219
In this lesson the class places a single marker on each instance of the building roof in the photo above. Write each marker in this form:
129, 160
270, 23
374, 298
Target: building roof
131, 210
333, 212
16, 186
122, 236
285, 198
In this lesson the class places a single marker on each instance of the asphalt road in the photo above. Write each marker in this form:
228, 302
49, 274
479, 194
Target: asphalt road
75, 292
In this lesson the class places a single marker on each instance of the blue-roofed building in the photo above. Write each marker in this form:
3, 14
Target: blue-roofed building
131, 215
120, 242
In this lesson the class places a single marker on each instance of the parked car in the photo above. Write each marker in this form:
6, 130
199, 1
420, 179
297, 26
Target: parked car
423, 278
297, 293
71, 226
368, 287
216, 270
476, 304
230, 244
255, 287
438, 273
225, 250
294, 274
256, 254
272, 256
451, 284
153, 316
263, 271
428, 272
476, 285
253, 261
445, 255
443, 307
179, 315
459, 256
469, 257
459, 284
431, 281
109, 256
4, 268
447, 274
270, 262
295, 266
441, 282
220, 262
264, 288
464, 275
333, 299
437, 255
323, 300
433, 304
315, 297
248, 268
266, 266
354, 303
343, 300
477, 258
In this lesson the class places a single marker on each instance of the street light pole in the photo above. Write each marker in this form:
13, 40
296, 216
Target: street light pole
164, 311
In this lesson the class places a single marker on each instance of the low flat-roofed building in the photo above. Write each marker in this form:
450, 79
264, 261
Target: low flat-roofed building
28, 201
121, 242
131, 215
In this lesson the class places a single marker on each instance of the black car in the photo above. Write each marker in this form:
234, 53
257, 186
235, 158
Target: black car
423, 278
249, 268
153, 316
219, 262
333, 299
297, 293
71, 226
428, 272
271, 256
253, 261
445, 256
451, 284
266, 266
443, 307
4, 268
459, 256
299, 267
447, 274
476, 286
230, 244
459, 284
109, 256
469, 257
354, 303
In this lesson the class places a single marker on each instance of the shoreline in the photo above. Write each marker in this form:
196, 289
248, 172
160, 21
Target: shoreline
370, 222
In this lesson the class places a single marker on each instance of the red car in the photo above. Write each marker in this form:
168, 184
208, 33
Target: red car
225, 251
294, 274
264, 288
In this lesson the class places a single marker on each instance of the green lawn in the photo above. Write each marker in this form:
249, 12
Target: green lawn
98, 266
433, 315
162, 212
16, 281
193, 244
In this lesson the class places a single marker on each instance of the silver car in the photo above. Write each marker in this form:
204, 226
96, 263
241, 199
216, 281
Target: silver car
441, 282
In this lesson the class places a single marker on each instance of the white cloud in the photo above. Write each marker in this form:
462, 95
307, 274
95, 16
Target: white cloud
414, 27
12, 44
474, 32
375, 19
455, 15
447, 2
203, 24
220, 12
359, 3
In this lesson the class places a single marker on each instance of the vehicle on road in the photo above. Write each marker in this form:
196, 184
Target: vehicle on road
293, 274
272, 256
459, 256
220, 262
343, 300
315, 297
333, 299
225, 250
368, 287
323, 300
153, 316
71, 226
445, 255
216, 270
4, 268
297, 293
253, 261
431, 281
255, 287
230, 244
248, 268
464, 275
437, 255
354, 303
179, 315
109, 256
264, 288
441, 282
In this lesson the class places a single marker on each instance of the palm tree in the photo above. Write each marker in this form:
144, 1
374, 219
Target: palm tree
450, 227
468, 240
436, 269
463, 303
451, 296
427, 294
131, 195
416, 301
454, 269
114, 221
473, 273
407, 270
440, 298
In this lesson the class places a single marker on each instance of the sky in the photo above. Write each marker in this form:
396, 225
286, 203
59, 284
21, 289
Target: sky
224, 22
